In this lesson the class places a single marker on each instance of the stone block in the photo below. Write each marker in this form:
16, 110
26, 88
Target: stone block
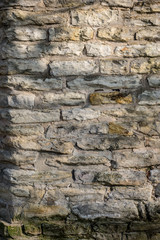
32, 83
150, 34
26, 34
115, 67
121, 177
71, 68
155, 175
154, 80
116, 34
108, 143
65, 49
119, 3
80, 114
113, 82
137, 158
109, 97
50, 100
23, 18
27, 116
149, 98
59, 34
97, 50
28, 66
112, 209
96, 17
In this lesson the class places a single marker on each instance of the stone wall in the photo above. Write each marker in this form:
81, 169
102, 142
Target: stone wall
80, 119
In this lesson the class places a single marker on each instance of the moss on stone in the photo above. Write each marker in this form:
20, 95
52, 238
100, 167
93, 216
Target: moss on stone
14, 231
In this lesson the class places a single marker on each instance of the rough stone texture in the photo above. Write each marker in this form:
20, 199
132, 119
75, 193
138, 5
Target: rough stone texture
80, 119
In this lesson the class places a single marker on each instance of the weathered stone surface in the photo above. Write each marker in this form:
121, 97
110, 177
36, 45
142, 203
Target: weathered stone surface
150, 98
132, 193
27, 116
32, 66
67, 33
16, 176
140, 66
110, 97
31, 83
25, 3
136, 236
80, 114
26, 34
122, 142
95, 17
65, 49
32, 143
119, 67
95, 50
44, 211
24, 100
18, 157
151, 34
155, 175
116, 34
111, 209
121, 3
121, 177
49, 100
20, 17
150, 50
105, 82
136, 158
84, 158
154, 80
66, 68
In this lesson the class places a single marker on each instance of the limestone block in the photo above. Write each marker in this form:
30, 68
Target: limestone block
132, 193
80, 114
155, 175
23, 18
26, 34
65, 49
150, 50
121, 177
136, 158
113, 82
28, 66
50, 100
24, 100
104, 143
24, 82
116, 34
154, 80
27, 116
66, 68
95, 17
119, 67
151, 34
112, 209
97, 50
119, 3
59, 34
110, 97
149, 98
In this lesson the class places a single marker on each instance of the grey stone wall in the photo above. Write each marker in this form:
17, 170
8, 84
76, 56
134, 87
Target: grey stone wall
80, 119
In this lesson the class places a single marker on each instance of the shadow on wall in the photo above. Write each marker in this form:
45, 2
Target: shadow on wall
23, 68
